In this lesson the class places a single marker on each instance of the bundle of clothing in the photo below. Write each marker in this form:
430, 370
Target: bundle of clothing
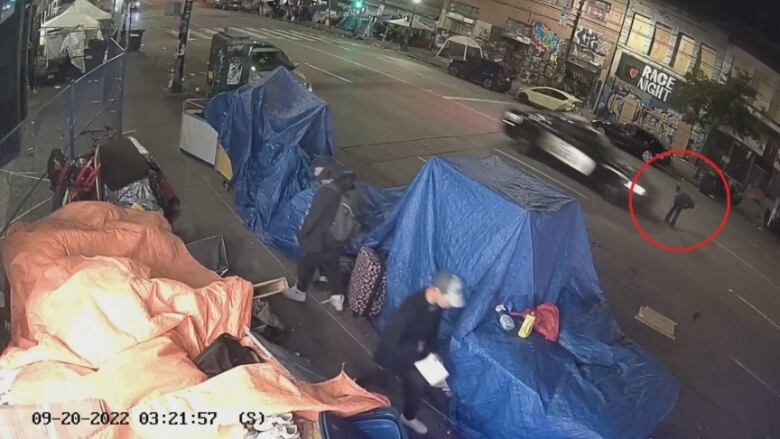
122, 172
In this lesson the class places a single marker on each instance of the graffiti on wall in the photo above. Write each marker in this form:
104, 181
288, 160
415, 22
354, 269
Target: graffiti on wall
655, 117
544, 38
590, 46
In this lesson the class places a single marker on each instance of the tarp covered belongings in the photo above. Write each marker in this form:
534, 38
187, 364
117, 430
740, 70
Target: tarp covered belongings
272, 130
518, 241
107, 304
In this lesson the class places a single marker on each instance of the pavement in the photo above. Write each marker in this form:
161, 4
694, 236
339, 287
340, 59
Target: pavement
390, 113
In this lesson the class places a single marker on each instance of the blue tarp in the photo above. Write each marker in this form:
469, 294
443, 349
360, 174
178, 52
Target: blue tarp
272, 130
513, 238
518, 241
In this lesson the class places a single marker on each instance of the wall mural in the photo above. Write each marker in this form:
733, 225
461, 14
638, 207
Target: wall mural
649, 113
590, 46
544, 38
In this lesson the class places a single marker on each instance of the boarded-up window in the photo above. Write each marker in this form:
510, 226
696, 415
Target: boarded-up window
685, 55
707, 56
663, 43
641, 33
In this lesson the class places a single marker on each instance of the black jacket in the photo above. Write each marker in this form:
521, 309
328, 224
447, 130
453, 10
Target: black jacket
681, 199
315, 235
415, 320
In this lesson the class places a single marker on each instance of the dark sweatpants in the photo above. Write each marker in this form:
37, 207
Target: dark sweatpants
673, 214
328, 263
412, 383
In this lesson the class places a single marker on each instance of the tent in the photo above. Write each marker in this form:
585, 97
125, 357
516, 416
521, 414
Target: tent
72, 18
460, 47
518, 241
416, 24
272, 130
85, 7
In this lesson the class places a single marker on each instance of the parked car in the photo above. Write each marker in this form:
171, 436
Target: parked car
574, 141
549, 98
489, 74
634, 140
232, 5
711, 185
772, 217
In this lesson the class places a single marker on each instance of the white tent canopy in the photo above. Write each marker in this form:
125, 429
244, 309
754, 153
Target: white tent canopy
405, 23
71, 18
90, 10
459, 47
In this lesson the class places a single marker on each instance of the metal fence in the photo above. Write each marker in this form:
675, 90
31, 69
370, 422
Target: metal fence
91, 102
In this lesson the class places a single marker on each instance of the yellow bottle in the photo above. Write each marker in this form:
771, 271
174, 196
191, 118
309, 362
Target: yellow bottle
528, 325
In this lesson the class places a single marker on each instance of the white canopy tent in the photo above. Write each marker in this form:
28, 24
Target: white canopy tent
69, 32
416, 24
90, 10
460, 47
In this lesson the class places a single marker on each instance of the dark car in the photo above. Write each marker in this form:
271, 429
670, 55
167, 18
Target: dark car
233, 5
489, 74
574, 141
634, 140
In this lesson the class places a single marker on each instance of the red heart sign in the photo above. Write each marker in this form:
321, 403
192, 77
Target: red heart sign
633, 72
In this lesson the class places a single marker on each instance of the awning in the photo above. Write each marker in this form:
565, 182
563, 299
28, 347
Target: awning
405, 23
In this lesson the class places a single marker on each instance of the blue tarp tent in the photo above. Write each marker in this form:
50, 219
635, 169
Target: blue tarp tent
518, 241
272, 130
513, 238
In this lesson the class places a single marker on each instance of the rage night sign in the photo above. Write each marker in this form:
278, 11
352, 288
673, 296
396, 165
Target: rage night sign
654, 81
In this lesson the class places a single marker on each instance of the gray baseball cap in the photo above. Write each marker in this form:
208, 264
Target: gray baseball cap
452, 288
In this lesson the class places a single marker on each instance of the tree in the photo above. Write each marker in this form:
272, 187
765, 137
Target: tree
715, 104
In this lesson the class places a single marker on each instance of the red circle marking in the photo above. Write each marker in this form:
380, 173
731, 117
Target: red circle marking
667, 247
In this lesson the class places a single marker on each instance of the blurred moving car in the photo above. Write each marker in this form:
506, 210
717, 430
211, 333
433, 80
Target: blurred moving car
573, 141
232, 5
489, 74
549, 98
634, 140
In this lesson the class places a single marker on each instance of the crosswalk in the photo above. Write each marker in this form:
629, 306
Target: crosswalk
199, 32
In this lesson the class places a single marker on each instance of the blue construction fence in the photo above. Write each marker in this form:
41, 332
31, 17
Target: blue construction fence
92, 102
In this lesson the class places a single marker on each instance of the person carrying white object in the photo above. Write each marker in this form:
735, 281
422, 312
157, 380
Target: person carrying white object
410, 338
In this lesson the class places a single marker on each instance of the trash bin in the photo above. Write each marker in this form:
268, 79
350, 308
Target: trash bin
173, 8
136, 36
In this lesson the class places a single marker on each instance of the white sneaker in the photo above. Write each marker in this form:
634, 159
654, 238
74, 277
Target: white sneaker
293, 293
415, 424
322, 279
338, 302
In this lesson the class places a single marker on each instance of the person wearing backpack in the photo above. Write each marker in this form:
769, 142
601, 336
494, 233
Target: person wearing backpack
333, 219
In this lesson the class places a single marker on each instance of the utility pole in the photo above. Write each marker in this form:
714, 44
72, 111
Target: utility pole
184, 32
573, 32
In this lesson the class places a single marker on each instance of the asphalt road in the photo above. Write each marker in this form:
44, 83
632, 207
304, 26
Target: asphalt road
390, 113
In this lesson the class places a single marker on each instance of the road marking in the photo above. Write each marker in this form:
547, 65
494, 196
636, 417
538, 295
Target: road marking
403, 81
422, 159
329, 73
208, 31
281, 34
756, 377
510, 156
747, 264
490, 101
758, 311
199, 34
305, 35
253, 33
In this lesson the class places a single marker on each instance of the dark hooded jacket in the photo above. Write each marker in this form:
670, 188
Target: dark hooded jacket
315, 234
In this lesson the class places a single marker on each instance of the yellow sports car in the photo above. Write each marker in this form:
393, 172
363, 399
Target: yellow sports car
549, 98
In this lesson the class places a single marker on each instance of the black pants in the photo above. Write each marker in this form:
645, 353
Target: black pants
673, 214
412, 383
328, 263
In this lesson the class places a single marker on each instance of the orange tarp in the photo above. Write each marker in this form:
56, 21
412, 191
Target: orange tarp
108, 304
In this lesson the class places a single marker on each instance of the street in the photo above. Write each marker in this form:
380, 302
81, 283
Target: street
390, 113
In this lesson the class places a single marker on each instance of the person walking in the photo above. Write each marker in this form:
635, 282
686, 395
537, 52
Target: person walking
681, 201
321, 249
410, 336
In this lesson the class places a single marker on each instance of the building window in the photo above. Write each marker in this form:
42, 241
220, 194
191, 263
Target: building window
684, 56
641, 34
464, 10
663, 43
706, 61
597, 9
514, 27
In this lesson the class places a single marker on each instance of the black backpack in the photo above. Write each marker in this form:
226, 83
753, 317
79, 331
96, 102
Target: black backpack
346, 223
224, 353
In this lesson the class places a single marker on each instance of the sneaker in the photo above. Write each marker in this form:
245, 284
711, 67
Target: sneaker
338, 302
322, 279
415, 424
293, 293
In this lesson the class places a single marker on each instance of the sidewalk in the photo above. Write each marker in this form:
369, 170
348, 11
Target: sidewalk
331, 341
